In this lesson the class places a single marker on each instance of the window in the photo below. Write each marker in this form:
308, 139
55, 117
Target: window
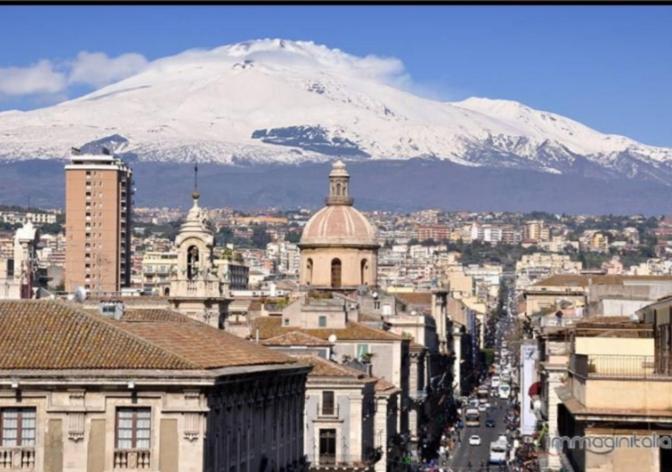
327, 446
18, 427
362, 350
336, 273
322, 321
362, 272
328, 402
133, 428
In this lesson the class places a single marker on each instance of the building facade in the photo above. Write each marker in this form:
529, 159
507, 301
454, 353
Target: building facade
98, 201
158, 393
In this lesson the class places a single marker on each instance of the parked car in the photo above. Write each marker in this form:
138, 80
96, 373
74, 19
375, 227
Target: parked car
490, 423
474, 440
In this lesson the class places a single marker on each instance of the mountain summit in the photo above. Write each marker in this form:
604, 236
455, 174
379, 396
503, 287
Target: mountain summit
280, 101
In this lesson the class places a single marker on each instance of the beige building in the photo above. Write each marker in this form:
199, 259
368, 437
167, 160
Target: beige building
349, 424
98, 199
142, 390
618, 390
339, 249
18, 273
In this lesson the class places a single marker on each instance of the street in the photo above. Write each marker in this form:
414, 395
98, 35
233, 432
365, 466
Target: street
467, 457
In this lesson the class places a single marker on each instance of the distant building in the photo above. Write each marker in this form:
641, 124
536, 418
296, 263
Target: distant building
18, 273
98, 201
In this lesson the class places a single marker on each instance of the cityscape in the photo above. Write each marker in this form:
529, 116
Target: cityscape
156, 315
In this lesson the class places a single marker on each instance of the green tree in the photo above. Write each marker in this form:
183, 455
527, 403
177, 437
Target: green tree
260, 237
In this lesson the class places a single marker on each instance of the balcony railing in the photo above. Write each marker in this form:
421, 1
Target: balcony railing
17, 458
131, 459
322, 413
628, 366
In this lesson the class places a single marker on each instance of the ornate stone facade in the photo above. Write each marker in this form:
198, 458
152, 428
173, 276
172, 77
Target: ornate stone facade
196, 288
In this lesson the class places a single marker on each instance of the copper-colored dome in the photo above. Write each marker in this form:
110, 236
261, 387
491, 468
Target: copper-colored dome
340, 225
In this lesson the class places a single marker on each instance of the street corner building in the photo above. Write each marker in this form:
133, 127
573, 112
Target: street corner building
142, 390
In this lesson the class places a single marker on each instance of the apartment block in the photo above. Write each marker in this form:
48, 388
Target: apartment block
98, 200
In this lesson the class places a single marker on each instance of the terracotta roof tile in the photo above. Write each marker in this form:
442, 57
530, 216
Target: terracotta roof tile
383, 385
270, 326
416, 298
39, 334
52, 335
325, 368
154, 314
296, 338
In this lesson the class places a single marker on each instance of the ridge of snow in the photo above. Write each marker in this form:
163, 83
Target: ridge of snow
275, 100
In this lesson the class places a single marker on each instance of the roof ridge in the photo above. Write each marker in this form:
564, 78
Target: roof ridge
394, 335
343, 368
119, 328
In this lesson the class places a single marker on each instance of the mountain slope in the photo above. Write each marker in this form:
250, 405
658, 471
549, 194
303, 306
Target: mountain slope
276, 101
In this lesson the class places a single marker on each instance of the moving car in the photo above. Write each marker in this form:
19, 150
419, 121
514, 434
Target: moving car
495, 381
504, 391
490, 423
474, 440
498, 452
482, 408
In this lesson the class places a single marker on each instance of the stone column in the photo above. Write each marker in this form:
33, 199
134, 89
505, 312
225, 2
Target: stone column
380, 432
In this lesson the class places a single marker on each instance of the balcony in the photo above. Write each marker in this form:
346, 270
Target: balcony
628, 383
131, 459
17, 458
624, 366
333, 414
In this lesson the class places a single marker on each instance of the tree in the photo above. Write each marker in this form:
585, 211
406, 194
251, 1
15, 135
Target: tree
260, 237
293, 236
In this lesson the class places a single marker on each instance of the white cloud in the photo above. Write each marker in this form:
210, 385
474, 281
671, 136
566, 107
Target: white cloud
39, 78
98, 69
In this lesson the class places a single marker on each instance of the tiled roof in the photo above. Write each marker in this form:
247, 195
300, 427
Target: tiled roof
45, 335
415, 298
153, 314
325, 368
296, 338
204, 346
383, 385
571, 280
269, 326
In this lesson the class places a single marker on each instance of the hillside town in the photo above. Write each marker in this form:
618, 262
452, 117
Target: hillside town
331, 339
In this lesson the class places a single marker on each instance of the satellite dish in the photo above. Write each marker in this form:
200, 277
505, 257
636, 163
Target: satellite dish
332, 338
80, 294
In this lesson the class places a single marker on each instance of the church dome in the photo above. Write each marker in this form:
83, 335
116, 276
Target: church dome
339, 223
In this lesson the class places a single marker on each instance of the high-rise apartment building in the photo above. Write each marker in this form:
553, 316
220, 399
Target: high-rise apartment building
98, 198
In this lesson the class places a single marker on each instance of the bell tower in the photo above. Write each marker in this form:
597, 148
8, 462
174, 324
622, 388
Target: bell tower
196, 289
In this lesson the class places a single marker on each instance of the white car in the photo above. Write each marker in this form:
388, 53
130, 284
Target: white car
495, 381
474, 440
482, 408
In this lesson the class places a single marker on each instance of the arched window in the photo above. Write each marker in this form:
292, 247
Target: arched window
338, 188
362, 272
335, 273
192, 262
166, 292
309, 271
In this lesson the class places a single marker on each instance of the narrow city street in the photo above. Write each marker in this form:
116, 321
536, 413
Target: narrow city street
474, 458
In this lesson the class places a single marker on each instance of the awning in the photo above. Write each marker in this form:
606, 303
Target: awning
535, 389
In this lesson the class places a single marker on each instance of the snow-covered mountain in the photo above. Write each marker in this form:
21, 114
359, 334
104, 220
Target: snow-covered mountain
290, 101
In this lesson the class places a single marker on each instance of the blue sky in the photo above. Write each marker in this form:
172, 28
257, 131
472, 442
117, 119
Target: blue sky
609, 67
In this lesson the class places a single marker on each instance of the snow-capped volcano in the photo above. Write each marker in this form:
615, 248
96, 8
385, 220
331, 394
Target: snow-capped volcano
293, 101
